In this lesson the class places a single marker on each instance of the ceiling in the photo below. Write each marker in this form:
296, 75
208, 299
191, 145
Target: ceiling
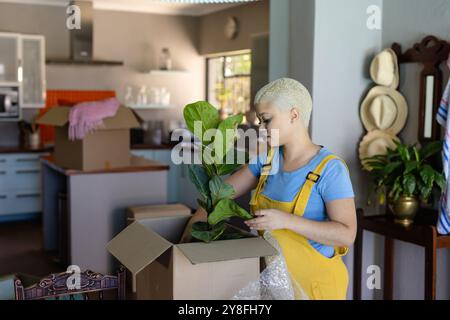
147, 6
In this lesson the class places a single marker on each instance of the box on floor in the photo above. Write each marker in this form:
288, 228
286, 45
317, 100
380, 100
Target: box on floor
164, 269
105, 148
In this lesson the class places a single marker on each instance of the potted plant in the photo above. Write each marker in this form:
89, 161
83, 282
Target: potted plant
216, 195
405, 175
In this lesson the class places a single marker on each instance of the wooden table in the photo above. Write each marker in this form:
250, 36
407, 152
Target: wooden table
422, 232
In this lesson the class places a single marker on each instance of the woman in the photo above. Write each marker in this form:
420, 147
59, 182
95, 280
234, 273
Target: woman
303, 195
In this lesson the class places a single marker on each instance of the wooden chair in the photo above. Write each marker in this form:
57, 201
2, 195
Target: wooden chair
55, 286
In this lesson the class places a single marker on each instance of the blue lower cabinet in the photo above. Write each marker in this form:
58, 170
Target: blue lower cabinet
164, 156
20, 186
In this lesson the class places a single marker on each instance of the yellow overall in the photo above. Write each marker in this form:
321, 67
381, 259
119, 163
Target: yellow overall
320, 277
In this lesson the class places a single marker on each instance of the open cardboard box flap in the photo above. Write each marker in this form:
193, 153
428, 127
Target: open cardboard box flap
225, 250
137, 246
145, 240
125, 118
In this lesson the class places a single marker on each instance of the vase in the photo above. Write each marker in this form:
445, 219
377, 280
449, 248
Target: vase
404, 209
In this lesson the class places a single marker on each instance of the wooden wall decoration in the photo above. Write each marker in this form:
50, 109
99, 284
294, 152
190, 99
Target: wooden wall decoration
430, 52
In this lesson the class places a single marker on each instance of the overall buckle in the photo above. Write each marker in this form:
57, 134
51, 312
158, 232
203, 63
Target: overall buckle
314, 177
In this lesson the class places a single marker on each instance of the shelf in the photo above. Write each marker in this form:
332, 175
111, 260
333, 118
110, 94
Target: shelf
151, 106
168, 72
9, 84
83, 63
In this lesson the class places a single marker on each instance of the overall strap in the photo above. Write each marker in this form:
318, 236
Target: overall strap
311, 179
264, 174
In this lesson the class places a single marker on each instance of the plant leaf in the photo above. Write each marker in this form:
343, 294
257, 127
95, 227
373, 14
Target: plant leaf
224, 142
409, 184
220, 190
200, 179
410, 166
440, 180
225, 209
427, 174
431, 149
204, 232
204, 112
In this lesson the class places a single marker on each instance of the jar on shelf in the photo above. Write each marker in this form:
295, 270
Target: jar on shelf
165, 60
142, 96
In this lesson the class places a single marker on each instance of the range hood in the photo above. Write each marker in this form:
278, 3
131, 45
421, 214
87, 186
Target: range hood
81, 40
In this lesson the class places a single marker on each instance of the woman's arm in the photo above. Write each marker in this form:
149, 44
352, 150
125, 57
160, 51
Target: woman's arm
242, 181
339, 231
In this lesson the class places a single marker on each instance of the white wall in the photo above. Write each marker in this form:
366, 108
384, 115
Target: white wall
134, 38
407, 22
334, 64
342, 51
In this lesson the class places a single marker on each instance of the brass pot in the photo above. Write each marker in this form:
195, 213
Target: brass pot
404, 209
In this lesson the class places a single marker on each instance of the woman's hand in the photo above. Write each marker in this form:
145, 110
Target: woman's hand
270, 219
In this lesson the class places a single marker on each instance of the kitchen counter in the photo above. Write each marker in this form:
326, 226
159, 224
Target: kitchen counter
42, 149
138, 164
84, 210
19, 149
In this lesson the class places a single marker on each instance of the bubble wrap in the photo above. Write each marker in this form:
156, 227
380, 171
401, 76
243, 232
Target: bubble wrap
275, 281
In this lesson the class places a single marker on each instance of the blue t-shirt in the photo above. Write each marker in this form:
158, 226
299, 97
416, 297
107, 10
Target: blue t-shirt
333, 184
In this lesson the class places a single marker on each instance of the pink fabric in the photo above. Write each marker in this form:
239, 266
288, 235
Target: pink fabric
87, 116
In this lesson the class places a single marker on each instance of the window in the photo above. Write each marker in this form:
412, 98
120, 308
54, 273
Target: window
228, 79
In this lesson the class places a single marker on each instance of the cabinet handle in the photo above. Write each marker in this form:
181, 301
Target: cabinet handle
2, 197
2, 160
2, 172
27, 160
27, 171
29, 195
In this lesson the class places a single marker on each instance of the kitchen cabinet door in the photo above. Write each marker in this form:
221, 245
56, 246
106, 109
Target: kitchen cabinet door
10, 68
33, 63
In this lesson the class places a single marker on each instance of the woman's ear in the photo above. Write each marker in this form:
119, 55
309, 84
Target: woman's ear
294, 115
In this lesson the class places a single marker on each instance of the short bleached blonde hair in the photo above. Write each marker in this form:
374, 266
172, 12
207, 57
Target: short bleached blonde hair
286, 94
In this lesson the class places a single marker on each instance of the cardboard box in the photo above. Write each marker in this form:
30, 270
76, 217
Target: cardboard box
164, 269
155, 211
105, 148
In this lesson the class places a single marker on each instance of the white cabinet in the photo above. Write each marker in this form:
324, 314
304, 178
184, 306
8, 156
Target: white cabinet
33, 64
9, 58
22, 62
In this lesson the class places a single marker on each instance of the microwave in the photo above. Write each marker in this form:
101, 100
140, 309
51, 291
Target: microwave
9, 104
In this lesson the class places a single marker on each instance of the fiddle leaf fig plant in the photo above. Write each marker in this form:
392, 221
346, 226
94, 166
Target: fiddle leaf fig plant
216, 141
405, 171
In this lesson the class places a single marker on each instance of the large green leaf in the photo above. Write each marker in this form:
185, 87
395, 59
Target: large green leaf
410, 166
431, 149
233, 160
204, 113
204, 232
225, 136
440, 180
220, 190
409, 184
388, 169
225, 209
200, 179
427, 174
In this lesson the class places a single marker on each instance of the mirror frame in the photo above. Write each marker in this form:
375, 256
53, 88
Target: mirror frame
430, 52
